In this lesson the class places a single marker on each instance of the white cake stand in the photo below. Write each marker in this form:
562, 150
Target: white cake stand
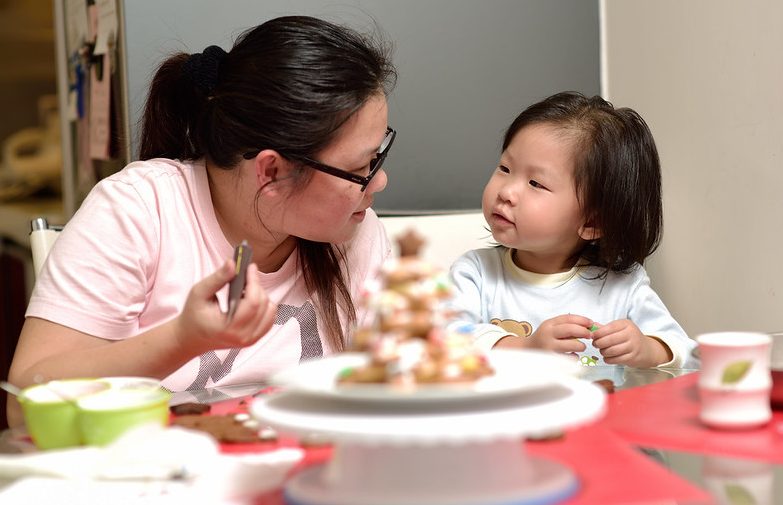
444, 452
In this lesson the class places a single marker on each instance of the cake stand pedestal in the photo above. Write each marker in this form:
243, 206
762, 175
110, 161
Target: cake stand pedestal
445, 452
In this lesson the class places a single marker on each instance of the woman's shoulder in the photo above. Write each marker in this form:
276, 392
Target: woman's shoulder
148, 183
149, 171
141, 192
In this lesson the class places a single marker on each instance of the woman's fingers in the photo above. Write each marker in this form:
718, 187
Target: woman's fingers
206, 288
255, 314
267, 320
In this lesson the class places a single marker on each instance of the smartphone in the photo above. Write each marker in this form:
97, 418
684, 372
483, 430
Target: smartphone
243, 253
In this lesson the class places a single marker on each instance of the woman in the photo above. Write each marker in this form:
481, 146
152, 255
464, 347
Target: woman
243, 145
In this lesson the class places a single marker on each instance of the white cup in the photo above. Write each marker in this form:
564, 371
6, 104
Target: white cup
732, 481
735, 381
776, 367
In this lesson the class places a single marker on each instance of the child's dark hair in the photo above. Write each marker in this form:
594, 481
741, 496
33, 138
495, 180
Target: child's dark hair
288, 85
617, 174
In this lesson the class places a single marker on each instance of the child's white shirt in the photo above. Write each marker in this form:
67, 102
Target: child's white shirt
489, 286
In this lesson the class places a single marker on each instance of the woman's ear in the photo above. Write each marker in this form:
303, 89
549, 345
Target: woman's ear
589, 231
270, 167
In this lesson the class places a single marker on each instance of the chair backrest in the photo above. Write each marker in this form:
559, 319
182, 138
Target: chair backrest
42, 238
447, 236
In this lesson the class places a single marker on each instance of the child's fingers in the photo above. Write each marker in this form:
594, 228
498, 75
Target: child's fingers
609, 341
574, 319
615, 354
573, 345
571, 331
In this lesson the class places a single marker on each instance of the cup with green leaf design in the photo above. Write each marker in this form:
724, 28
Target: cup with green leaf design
738, 481
776, 367
735, 381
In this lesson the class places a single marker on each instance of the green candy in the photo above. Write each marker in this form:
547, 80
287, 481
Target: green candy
345, 372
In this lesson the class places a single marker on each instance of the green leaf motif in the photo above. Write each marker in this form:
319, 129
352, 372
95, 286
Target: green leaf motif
738, 495
734, 372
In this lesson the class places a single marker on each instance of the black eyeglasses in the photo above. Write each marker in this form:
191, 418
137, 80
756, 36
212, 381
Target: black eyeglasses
363, 181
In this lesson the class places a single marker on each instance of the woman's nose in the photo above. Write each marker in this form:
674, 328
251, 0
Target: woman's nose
378, 183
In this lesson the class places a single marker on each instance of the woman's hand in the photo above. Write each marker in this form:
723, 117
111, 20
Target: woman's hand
204, 327
560, 334
621, 342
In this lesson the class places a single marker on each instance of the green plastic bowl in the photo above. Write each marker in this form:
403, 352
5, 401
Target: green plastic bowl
50, 411
105, 416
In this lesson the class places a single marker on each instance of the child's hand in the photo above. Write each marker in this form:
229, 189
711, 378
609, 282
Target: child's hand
621, 342
560, 333
204, 327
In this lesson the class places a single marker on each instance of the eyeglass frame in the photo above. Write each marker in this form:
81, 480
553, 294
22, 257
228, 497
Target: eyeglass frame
363, 181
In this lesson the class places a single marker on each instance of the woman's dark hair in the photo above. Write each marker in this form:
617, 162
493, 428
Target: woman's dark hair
617, 174
288, 85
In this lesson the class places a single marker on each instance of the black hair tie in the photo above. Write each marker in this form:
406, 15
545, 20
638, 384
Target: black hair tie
203, 69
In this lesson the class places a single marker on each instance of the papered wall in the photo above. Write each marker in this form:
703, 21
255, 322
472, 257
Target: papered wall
707, 75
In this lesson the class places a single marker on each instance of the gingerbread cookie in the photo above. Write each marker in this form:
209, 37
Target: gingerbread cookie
226, 428
189, 408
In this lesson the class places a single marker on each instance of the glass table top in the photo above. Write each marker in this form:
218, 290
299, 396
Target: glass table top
733, 481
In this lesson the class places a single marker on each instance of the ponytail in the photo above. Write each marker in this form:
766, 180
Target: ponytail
179, 92
169, 114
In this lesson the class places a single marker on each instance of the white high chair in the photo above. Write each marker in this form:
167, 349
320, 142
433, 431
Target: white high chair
448, 236
42, 238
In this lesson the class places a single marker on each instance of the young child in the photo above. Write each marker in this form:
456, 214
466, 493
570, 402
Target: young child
575, 204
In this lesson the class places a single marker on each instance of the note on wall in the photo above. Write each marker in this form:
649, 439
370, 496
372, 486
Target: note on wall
107, 26
100, 109
76, 19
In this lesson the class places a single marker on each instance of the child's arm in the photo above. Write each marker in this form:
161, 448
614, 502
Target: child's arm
467, 305
653, 319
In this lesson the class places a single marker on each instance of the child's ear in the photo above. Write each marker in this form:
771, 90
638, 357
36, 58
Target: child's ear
270, 167
589, 231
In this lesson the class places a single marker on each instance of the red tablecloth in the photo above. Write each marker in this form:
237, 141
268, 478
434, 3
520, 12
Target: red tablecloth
609, 469
666, 416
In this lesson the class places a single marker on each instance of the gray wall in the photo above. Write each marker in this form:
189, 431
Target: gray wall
466, 68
